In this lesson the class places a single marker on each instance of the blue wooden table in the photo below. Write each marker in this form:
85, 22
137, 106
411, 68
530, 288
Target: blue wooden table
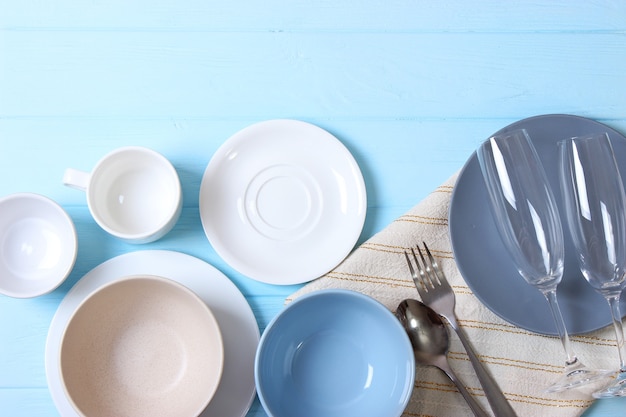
410, 87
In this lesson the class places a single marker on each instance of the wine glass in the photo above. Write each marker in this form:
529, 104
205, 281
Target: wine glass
596, 213
527, 219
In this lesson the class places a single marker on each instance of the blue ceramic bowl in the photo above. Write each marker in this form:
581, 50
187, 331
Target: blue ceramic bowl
334, 353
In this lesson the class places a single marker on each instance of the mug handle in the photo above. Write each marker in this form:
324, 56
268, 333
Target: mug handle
76, 179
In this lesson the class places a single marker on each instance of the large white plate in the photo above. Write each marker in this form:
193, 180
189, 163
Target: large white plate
235, 317
283, 201
485, 263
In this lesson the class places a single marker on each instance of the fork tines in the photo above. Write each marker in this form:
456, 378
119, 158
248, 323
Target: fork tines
426, 273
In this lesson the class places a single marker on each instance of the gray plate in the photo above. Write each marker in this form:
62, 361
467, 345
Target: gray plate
485, 263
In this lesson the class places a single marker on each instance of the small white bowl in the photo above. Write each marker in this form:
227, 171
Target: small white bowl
38, 245
141, 346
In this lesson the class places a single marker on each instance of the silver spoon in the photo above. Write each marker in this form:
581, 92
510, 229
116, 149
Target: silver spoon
430, 341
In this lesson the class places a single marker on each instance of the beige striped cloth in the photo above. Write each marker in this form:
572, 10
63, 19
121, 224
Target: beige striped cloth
522, 363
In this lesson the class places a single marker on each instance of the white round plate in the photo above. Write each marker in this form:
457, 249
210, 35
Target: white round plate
283, 201
239, 328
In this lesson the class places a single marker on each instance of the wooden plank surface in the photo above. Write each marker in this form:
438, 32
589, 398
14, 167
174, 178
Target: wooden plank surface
410, 87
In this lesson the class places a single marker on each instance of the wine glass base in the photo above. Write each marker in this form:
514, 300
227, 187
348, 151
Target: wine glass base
577, 375
616, 389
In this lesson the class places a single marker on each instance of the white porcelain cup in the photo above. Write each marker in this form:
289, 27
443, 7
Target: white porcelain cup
38, 245
133, 193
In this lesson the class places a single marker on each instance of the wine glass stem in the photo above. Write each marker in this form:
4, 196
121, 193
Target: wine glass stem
560, 325
619, 330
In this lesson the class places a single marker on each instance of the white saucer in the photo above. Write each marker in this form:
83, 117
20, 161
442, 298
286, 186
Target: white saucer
235, 317
283, 201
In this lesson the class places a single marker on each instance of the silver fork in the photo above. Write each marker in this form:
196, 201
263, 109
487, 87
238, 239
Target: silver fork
436, 292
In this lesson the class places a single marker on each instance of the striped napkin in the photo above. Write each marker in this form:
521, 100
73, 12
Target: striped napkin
523, 363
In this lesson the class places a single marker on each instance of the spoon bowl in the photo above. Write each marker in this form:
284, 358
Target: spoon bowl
430, 341
426, 330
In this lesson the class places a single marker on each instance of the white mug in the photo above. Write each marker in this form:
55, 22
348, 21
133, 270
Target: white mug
133, 193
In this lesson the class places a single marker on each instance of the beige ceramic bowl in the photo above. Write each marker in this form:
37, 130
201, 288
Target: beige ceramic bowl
141, 346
